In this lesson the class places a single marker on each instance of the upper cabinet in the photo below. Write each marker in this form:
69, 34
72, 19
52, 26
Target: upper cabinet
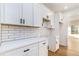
27, 13
48, 17
37, 14
51, 18
44, 11
42, 16
0, 12
61, 17
17, 13
11, 13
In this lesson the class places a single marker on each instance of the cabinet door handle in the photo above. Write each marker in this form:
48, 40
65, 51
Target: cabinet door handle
26, 50
56, 42
47, 47
21, 20
44, 43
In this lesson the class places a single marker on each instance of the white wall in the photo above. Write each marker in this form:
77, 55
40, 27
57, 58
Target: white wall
64, 31
68, 16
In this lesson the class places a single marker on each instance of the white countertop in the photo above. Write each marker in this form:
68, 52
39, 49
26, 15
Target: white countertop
6, 46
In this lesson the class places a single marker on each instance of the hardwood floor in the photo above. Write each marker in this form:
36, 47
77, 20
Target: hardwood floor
64, 51
61, 52
71, 50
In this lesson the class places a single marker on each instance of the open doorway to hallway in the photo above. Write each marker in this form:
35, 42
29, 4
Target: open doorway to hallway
73, 36
72, 49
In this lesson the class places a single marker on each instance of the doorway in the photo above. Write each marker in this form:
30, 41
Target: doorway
73, 37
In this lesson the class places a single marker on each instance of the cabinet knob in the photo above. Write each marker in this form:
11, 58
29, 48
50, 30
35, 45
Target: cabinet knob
26, 50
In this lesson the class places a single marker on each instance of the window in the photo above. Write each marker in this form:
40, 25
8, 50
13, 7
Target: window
74, 29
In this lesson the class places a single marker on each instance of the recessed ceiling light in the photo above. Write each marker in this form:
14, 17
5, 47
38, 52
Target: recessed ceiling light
66, 7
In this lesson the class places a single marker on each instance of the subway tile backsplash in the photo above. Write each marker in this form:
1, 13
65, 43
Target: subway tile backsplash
17, 32
10, 32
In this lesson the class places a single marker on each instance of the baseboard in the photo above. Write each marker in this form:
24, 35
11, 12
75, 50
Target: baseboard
62, 45
54, 51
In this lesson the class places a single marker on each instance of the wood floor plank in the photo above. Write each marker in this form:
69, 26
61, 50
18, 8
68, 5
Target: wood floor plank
61, 52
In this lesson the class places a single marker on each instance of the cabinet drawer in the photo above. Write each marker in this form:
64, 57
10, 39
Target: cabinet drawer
31, 50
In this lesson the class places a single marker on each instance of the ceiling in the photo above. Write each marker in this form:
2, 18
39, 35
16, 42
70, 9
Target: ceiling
60, 7
75, 22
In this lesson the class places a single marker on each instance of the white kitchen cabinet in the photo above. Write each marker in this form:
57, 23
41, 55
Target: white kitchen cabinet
40, 11
44, 11
31, 14
28, 13
61, 17
11, 13
43, 48
0, 12
0, 25
31, 50
57, 42
49, 15
37, 14
51, 18
53, 41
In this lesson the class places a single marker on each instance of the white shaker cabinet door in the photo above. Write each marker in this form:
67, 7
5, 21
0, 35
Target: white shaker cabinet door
43, 50
57, 42
28, 13
30, 50
12, 13
37, 15
0, 12
44, 11
51, 18
33, 51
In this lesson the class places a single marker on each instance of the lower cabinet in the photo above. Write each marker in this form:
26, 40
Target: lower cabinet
37, 49
54, 43
43, 48
31, 50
